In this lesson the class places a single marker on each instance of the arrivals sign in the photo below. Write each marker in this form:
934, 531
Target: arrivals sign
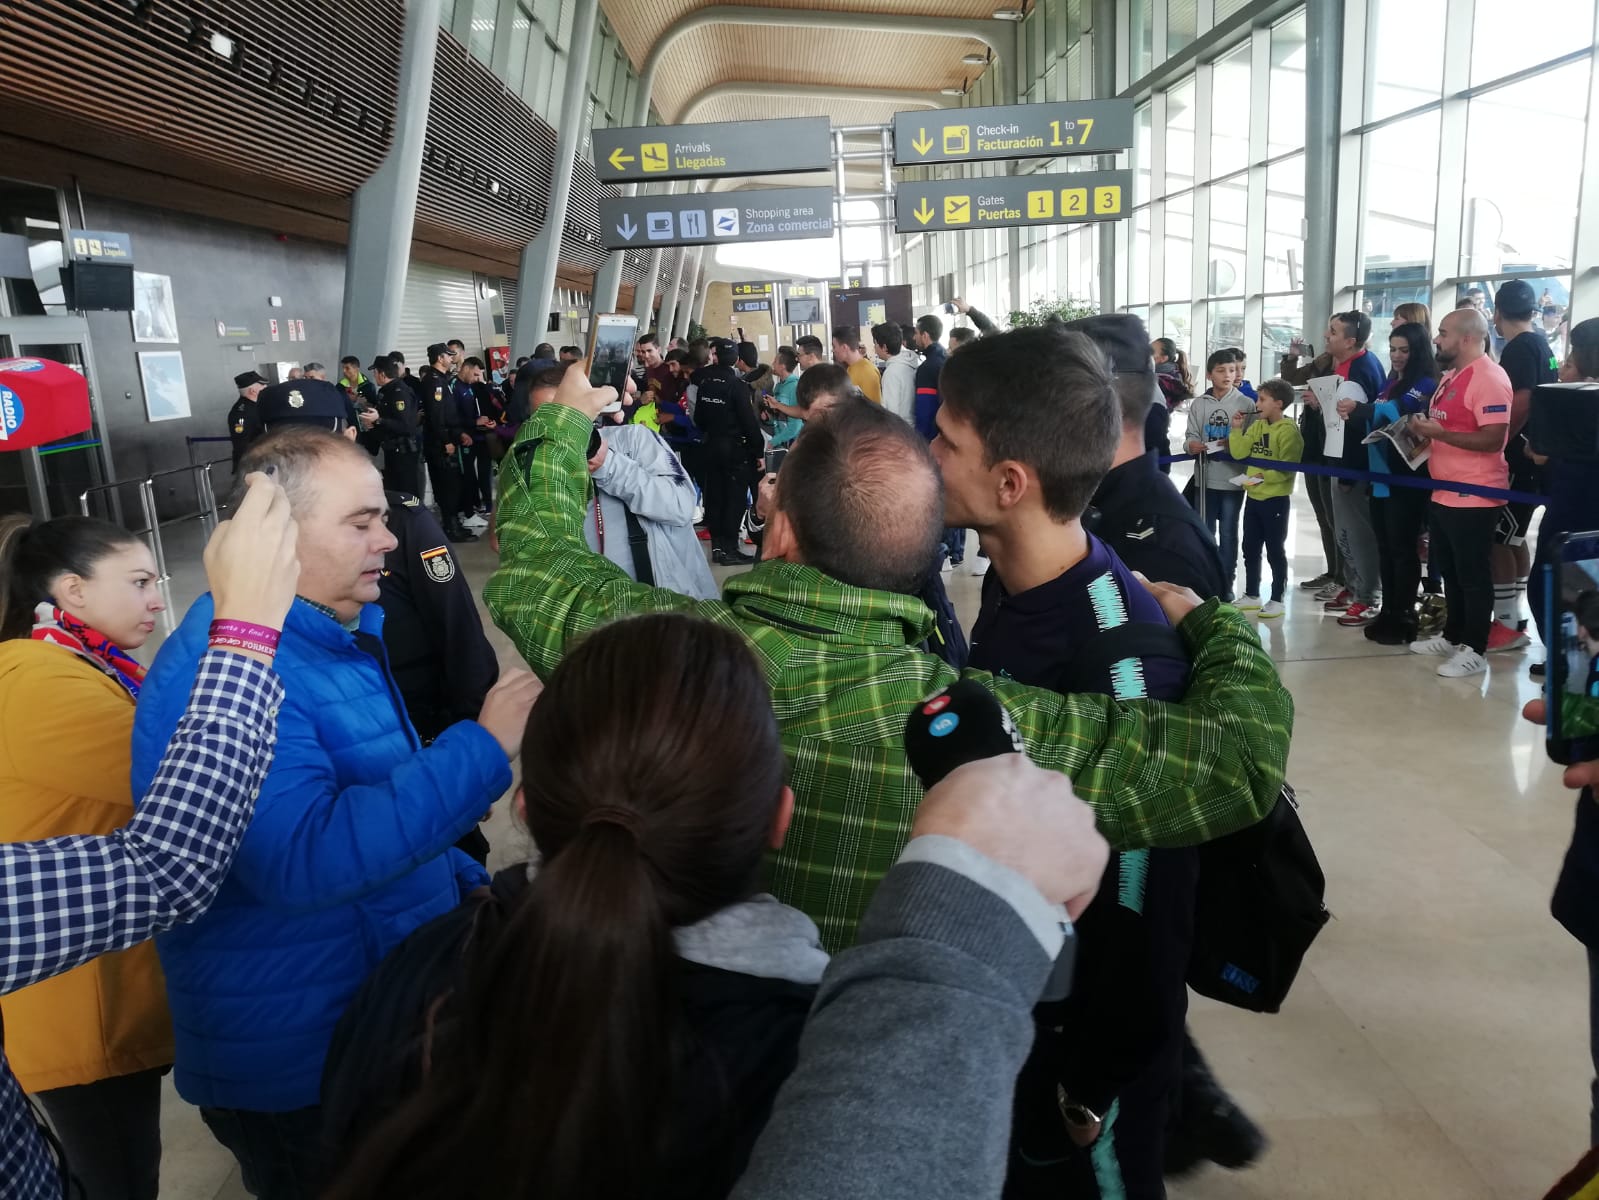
1001, 201
759, 287
764, 215
1011, 131
93, 245
712, 151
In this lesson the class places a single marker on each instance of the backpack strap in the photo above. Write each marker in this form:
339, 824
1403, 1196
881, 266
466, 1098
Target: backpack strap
1093, 660
638, 541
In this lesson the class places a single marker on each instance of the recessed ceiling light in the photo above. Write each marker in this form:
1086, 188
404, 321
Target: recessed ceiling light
1008, 14
974, 60
221, 45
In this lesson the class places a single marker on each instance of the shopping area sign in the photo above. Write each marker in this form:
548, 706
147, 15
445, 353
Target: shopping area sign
713, 151
1012, 131
1001, 201
763, 215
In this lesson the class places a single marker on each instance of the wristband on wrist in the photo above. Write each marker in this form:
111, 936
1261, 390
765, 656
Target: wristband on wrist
242, 635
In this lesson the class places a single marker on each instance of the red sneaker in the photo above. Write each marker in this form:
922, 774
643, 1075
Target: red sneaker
704, 535
1502, 637
1339, 602
1358, 614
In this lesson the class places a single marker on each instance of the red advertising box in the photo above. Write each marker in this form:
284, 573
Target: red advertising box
40, 402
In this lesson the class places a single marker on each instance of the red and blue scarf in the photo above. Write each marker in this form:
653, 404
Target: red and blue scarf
59, 628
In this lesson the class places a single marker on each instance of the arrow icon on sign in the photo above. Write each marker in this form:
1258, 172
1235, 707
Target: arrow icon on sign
922, 143
922, 212
618, 159
627, 229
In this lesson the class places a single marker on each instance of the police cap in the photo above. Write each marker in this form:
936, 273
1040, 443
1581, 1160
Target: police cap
302, 402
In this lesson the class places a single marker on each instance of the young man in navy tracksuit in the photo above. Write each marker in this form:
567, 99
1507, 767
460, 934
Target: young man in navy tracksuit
1050, 422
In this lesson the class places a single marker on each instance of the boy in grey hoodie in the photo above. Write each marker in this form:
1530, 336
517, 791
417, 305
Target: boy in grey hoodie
899, 375
1210, 417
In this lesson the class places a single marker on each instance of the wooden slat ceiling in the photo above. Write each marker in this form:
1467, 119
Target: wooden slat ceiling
800, 54
757, 107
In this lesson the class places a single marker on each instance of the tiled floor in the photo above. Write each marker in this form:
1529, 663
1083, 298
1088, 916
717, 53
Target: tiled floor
1436, 1043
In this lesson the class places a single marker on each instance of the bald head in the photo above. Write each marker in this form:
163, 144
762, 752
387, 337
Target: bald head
298, 454
1462, 338
863, 497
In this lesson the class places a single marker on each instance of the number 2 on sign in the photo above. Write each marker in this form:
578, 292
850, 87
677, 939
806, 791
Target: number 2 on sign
1074, 202
1085, 127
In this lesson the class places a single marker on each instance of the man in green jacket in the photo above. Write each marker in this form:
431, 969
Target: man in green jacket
831, 617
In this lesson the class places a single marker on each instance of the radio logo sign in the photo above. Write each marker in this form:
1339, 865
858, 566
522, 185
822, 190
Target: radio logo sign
10, 413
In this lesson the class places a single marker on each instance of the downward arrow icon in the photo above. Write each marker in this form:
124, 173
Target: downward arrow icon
627, 229
922, 212
922, 143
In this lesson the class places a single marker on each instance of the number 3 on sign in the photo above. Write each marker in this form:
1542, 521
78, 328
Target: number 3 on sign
1107, 200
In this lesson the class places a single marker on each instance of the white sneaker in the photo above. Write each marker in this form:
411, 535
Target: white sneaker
980, 566
1439, 645
475, 522
948, 565
1465, 662
1272, 608
1248, 604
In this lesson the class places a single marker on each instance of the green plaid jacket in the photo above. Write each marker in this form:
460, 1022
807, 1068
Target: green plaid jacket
845, 675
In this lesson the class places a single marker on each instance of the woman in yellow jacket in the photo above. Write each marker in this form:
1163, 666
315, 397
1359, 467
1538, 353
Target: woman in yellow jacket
91, 1044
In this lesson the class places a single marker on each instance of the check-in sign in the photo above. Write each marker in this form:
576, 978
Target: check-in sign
1013, 131
713, 151
1002, 201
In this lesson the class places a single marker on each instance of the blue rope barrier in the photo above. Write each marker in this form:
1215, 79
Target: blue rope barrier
1423, 482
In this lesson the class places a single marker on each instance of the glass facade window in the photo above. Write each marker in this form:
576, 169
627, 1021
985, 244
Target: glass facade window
1282, 317
1400, 181
1229, 209
1180, 137
481, 42
1138, 281
1229, 113
1178, 251
1141, 155
1226, 330
1507, 38
1286, 121
1182, 25
1177, 323
1524, 173
1404, 55
1285, 225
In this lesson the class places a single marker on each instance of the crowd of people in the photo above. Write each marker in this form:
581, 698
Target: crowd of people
754, 948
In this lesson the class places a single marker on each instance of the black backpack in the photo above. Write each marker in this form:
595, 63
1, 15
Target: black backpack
1259, 905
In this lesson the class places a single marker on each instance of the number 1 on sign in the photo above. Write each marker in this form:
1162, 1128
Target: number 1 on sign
1085, 127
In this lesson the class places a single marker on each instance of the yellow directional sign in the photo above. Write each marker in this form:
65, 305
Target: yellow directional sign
1008, 131
713, 150
1005, 200
802, 289
758, 288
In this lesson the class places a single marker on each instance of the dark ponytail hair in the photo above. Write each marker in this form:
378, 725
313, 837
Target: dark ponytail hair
653, 772
1180, 358
32, 557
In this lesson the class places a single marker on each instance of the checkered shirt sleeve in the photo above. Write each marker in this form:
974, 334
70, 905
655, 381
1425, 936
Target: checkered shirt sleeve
66, 900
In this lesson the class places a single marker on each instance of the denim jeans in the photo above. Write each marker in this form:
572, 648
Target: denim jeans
1357, 541
955, 543
1222, 509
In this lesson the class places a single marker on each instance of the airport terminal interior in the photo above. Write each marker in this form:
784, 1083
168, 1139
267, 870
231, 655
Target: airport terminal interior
200, 202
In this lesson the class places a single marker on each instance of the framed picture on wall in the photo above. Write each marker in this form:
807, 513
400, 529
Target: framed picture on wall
166, 389
155, 317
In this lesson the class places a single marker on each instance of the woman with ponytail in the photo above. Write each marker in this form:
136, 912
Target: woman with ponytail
617, 1020
1171, 371
76, 595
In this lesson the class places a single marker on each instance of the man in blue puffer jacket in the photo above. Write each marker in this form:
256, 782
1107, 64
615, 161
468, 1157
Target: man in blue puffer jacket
350, 848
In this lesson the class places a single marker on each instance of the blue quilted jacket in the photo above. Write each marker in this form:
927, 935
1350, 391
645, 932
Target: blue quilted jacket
349, 851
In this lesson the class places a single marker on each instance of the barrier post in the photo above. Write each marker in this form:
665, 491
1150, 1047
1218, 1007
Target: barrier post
1199, 483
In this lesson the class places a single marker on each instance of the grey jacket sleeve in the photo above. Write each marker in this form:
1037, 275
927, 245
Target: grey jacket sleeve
641, 471
909, 1061
984, 325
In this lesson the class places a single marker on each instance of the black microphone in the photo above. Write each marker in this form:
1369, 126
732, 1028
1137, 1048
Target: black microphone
962, 724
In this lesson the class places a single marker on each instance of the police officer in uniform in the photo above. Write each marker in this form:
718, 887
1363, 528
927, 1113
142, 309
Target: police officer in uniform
438, 652
1137, 511
724, 409
397, 429
441, 440
244, 420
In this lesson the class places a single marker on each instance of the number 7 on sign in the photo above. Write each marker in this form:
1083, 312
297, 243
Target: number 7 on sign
1079, 137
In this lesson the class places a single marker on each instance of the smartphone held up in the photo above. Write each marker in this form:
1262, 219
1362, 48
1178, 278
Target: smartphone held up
611, 341
1571, 623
